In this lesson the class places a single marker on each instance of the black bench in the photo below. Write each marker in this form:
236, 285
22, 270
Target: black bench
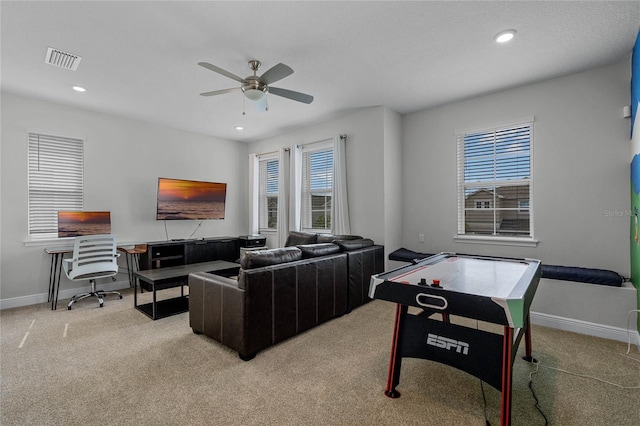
553, 272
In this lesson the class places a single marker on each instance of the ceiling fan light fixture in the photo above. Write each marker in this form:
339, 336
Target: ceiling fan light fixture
254, 94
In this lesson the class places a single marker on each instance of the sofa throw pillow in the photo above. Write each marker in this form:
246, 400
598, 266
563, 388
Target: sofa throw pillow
330, 238
316, 250
349, 245
259, 258
296, 238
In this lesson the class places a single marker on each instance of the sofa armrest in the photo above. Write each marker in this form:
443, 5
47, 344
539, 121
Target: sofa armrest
362, 264
217, 309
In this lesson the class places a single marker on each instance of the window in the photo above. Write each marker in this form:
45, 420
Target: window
55, 180
317, 183
494, 182
268, 194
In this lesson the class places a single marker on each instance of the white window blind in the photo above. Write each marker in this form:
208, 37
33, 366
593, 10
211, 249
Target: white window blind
494, 182
55, 180
268, 194
317, 183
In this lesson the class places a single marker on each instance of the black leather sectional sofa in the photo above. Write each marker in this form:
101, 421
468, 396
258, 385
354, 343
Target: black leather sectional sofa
282, 292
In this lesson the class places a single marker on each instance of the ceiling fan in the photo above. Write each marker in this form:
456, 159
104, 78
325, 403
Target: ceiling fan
256, 87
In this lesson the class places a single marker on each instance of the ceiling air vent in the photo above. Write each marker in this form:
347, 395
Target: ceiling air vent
61, 59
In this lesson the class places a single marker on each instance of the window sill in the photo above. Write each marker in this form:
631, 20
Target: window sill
53, 242
267, 231
49, 242
502, 241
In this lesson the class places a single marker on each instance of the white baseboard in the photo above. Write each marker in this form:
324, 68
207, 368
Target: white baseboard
34, 299
588, 328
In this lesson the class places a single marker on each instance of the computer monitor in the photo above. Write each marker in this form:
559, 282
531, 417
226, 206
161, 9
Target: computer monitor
73, 224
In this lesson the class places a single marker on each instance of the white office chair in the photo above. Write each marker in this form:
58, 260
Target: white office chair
94, 256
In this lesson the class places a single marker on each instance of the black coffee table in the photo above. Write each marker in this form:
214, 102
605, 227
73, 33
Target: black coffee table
171, 277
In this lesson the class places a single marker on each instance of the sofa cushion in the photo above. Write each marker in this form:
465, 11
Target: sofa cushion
330, 238
316, 250
296, 238
406, 255
348, 245
259, 258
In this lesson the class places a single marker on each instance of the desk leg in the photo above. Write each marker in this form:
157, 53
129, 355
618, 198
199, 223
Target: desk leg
507, 372
51, 280
136, 260
129, 271
56, 283
395, 361
135, 293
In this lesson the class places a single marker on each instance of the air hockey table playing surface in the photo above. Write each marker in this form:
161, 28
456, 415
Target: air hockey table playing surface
492, 289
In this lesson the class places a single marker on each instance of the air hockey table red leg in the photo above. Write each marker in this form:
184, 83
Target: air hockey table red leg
507, 369
395, 359
507, 349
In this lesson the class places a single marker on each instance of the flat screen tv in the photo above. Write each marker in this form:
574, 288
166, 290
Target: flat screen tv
73, 224
180, 199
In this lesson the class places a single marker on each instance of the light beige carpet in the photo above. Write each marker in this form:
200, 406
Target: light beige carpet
114, 366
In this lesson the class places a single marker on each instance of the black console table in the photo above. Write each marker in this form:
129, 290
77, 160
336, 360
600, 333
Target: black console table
161, 254
170, 277
167, 264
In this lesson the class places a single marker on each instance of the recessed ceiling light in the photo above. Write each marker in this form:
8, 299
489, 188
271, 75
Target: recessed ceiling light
504, 36
79, 89
239, 127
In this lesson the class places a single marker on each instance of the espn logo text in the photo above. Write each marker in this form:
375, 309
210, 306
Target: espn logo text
447, 343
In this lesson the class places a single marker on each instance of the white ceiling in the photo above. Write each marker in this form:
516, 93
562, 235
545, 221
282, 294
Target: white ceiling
139, 59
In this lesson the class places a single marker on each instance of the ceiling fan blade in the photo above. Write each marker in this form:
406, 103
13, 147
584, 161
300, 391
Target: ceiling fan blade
275, 73
290, 94
221, 71
220, 92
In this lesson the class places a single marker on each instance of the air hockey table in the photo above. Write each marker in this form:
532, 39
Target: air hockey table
491, 289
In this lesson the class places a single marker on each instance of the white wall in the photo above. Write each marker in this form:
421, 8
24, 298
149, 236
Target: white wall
123, 160
365, 163
581, 169
392, 180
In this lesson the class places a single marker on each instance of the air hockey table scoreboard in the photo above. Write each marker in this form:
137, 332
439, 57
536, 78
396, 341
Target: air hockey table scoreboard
491, 289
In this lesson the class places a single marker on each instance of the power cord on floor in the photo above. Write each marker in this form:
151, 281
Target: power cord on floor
538, 365
629, 334
484, 399
586, 376
535, 397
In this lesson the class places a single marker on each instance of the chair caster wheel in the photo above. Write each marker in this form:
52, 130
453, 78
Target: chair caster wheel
120, 296
68, 308
101, 305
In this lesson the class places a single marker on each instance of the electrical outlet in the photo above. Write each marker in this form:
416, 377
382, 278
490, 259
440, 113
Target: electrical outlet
421, 238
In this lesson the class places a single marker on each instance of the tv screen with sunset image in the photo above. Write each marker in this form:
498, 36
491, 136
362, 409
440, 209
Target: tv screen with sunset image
189, 199
73, 224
